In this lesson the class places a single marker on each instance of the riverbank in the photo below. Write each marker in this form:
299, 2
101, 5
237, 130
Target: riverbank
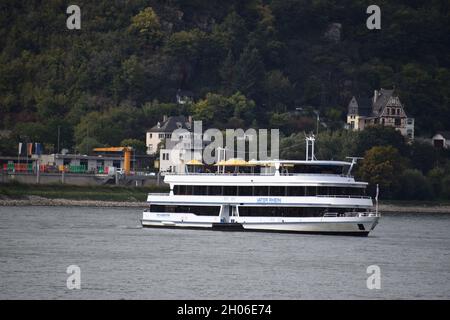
42, 201
59, 194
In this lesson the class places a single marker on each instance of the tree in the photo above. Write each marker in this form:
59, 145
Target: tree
221, 111
87, 144
382, 165
414, 186
380, 136
147, 24
293, 146
138, 146
249, 73
336, 145
423, 155
278, 91
184, 47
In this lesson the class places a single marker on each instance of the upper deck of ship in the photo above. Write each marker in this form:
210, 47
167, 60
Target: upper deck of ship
271, 171
267, 172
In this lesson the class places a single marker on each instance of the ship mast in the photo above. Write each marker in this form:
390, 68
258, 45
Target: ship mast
310, 147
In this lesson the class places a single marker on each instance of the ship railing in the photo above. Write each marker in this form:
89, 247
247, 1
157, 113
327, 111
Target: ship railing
253, 174
343, 196
350, 214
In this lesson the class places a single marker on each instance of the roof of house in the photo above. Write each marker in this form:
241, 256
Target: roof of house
368, 108
445, 134
171, 124
363, 104
382, 99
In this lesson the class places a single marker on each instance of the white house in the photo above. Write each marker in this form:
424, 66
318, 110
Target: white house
162, 131
441, 140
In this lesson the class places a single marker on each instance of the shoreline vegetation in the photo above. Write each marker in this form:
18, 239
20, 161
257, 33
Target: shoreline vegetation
15, 194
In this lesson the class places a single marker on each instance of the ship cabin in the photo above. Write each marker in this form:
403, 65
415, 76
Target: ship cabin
237, 166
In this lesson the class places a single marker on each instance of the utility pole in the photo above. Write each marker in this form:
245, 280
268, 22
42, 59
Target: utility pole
317, 123
57, 150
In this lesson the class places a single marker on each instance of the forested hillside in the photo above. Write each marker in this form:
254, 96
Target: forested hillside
247, 63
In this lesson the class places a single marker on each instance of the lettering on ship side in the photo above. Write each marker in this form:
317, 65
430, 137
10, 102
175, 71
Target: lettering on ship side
268, 200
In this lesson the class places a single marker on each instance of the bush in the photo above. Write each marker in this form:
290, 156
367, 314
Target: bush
414, 186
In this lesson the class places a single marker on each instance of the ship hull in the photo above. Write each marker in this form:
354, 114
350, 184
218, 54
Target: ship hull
352, 226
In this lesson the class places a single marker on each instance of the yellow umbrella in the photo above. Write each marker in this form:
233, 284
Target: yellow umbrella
195, 162
233, 162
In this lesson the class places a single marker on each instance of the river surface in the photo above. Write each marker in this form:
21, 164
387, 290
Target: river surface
120, 260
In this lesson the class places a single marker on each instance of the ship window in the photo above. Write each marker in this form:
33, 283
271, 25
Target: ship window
323, 191
296, 191
261, 191
199, 190
230, 190
245, 191
265, 211
198, 210
310, 191
161, 208
215, 190
277, 191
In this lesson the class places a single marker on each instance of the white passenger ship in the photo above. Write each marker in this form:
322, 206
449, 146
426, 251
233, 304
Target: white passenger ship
309, 196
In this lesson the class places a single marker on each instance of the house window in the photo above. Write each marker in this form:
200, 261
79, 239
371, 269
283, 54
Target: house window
409, 133
165, 156
398, 121
161, 136
150, 147
150, 135
382, 121
398, 112
352, 124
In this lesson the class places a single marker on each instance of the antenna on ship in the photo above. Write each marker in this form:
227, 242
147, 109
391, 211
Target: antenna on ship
376, 200
354, 160
310, 144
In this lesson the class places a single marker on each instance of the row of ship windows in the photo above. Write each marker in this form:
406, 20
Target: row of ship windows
245, 211
266, 190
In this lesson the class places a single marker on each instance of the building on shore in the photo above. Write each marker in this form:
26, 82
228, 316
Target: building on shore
384, 108
174, 152
441, 140
55, 162
162, 132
